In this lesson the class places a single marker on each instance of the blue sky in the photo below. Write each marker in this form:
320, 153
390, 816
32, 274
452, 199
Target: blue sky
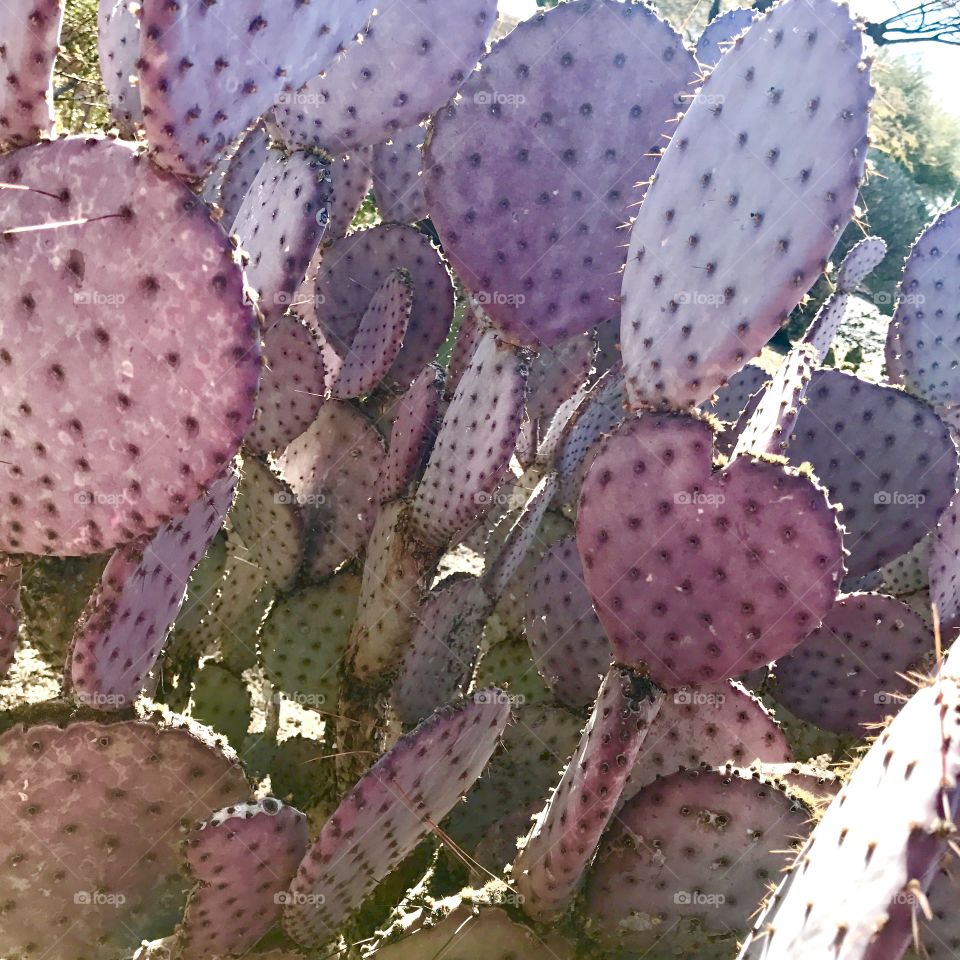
941, 62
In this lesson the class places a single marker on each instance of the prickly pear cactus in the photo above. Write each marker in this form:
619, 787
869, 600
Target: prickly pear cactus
154, 404
708, 230
87, 876
411, 787
31, 32
563, 839
242, 858
731, 549
507, 166
914, 766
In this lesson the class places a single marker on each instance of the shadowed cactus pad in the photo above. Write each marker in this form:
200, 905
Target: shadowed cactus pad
354, 268
385, 815
333, 469
848, 674
882, 455
566, 637
85, 879
146, 365
699, 575
697, 844
562, 841
474, 445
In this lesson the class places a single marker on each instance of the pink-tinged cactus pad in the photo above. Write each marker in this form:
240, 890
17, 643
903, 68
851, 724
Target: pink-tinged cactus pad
10, 612
397, 183
412, 58
698, 576
207, 72
883, 456
695, 844
333, 469
531, 174
127, 381
352, 178
94, 816
849, 673
826, 324
267, 520
378, 338
600, 412
922, 334
864, 257
944, 566
443, 649
913, 766
716, 724
245, 163
118, 30
752, 193
474, 446
385, 815
732, 398
720, 34
413, 432
566, 638
125, 623
292, 385
279, 225
243, 859
473, 324
31, 31
771, 422
354, 268
562, 841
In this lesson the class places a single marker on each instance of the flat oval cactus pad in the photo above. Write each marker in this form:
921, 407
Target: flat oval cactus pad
531, 174
128, 381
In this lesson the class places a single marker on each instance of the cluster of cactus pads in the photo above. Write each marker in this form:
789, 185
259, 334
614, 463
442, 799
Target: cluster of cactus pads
479, 583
